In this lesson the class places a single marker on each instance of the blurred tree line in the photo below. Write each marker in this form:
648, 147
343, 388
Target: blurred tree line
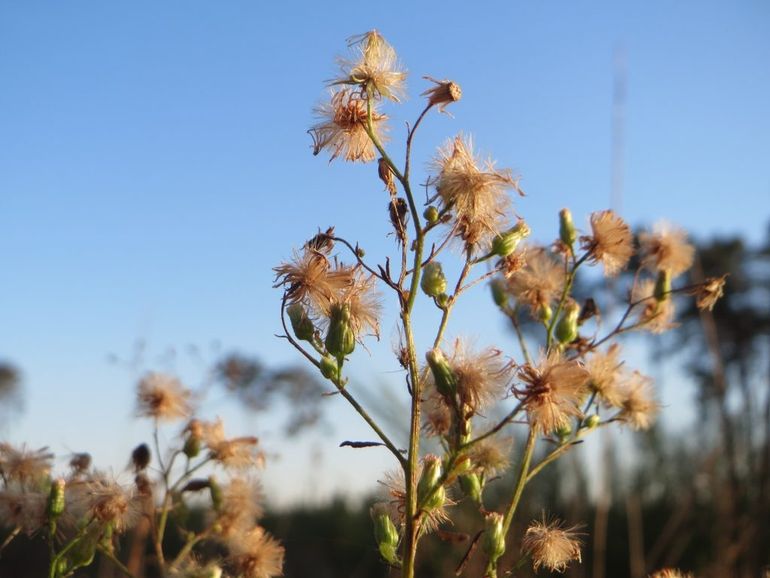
699, 502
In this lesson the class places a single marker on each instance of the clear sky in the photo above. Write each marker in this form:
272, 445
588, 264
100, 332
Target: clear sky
154, 166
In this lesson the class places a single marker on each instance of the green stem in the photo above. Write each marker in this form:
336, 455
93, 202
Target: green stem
521, 481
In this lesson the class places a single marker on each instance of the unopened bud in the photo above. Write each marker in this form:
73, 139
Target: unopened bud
505, 243
340, 339
329, 367
385, 533
563, 431
216, 493
494, 539
431, 214
499, 295
55, 506
192, 443
662, 286
567, 328
433, 282
300, 322
140, 457
428, 494
443, 375
592, 421
544, 313
567, 232
470, 484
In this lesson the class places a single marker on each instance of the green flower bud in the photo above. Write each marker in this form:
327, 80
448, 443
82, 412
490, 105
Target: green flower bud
494, 540
592, 421
470, 484
563, 431
499, 296
300, 322
216, 493
385, 533
55, 505
662, 286
431, 473
433, 282
567, 327
567, 232
431, 214
544, 313
340, 339
443, 375
329, 367
505, 243
192, 444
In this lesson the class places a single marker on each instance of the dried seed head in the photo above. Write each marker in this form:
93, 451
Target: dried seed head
709, 292
551, 545
104, 499
605, 372
23, 508
539, 282
654, 315
444, 93
140, 457
342, 128
27, 467
611, 244
163, 397
476, 195
671, 573
375, 68
553, 391
256, 554
491, 456
80, 462
238, 453
639, 406
666, 249
239, 508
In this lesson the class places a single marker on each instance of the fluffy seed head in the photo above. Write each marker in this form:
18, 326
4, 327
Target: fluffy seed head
23, 465
655, 316
605, 371
256, 554
239, 453
671, 573
476, 193
553, 391
666, 249
239, 508
539, 282
551, 545
341, 128
163, 397
375, 68
639, 406
611, 243
709, 292
444, 93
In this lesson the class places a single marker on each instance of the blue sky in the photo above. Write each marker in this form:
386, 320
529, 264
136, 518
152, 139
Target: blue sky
154, 166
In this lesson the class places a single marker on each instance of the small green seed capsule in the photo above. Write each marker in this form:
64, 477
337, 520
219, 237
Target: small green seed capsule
340, 339
567, 232
471, 486
216, 493
431, 214
499, 296
567, 328
544, 313
592, 421
329, 367
300, 322
55, 506
563, 431
662, 286
494, 540
433, 282
443, 375
506, 243
385, 533
431, 473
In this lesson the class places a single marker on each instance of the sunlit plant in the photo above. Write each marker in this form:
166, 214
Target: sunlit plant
567, 378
